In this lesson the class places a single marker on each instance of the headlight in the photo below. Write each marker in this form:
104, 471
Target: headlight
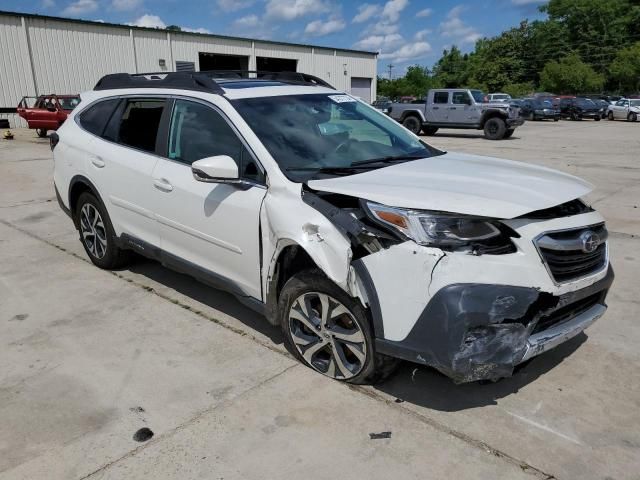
434, 229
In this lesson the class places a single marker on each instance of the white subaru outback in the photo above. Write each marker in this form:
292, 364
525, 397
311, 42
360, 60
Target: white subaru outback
365, 244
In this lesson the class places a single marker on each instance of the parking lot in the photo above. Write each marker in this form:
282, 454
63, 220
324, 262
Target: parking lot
88, 357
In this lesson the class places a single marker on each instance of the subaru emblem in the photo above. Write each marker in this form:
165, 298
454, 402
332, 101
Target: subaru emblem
590, 241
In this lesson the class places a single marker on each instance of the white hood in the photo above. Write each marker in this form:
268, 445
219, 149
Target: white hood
461, 183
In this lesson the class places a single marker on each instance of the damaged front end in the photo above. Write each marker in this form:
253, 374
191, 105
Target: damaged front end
471, 311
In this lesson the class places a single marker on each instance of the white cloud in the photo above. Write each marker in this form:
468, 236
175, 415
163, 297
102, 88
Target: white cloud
233, 5
150, 21
80, 7
292, 9
424, 13
454, 27
365, 12
318, 28
247, 21
126, 5
409, 51
382, 28
393, 8
421, 34
380, 43
47, 4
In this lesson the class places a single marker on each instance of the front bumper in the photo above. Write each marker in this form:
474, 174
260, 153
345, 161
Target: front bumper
514, 122
473, 332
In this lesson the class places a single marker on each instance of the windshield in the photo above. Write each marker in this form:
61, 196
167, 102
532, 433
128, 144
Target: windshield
312, 136
69, 103
543, 104
478, 96
585, 102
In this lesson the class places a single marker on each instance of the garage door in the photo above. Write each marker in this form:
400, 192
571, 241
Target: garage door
361, 87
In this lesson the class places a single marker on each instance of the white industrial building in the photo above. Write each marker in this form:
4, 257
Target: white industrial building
43, 55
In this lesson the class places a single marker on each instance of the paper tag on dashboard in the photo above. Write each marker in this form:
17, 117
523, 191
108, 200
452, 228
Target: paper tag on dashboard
341, 98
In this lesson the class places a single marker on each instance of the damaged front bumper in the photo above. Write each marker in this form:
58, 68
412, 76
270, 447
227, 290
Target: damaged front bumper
474, 332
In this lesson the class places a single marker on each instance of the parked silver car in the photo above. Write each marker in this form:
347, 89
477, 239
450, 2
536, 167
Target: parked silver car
624, 109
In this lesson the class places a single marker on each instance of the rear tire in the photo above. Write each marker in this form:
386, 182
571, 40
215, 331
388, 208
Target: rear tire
413, 124
329, 331
97, 235
41, 132
430, 130
632, 117
495, 128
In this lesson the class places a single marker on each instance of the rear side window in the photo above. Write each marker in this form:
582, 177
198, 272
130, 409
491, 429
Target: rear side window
138, 125
441, 97
95, 118
460, 98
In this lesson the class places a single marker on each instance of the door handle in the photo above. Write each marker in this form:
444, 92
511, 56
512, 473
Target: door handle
97, 162
162, 184
452, 108
436, 108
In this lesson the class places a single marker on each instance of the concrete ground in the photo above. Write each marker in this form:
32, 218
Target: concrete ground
88, 357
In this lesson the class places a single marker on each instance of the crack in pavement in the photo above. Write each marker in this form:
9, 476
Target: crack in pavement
426, 420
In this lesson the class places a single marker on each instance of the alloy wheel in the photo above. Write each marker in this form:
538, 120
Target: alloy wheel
327, 335
94, 233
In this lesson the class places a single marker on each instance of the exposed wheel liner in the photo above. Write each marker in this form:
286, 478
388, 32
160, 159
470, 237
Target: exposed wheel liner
474, 332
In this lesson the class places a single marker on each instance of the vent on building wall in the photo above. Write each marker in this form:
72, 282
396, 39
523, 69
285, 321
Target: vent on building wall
185, 66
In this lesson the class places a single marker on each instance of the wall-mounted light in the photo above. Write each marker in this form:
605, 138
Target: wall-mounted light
344, 65
162, 62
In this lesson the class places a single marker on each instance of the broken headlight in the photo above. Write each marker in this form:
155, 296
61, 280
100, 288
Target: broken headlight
435, 229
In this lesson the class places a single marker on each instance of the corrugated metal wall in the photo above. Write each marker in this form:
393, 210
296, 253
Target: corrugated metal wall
69, 57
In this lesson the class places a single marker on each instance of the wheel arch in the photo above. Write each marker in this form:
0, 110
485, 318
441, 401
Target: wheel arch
412, 113
492, 114
77, 186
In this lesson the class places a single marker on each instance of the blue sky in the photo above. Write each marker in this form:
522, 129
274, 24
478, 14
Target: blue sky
405, 32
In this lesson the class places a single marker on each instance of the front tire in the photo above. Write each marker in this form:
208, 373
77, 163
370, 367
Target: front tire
430, 130
610, 115
495, 128
413, 124
597, 119
509, 132
329, 331
97, 235
632, 117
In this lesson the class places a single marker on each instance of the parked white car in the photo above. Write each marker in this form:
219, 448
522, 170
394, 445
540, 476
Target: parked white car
624, 109
498, 97
361, 241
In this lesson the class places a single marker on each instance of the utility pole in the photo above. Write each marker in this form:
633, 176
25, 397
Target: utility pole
390, 67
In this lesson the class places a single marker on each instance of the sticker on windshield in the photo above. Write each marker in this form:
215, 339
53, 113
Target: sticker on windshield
341, 98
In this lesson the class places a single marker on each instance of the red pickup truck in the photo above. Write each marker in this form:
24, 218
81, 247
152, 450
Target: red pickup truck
46, 112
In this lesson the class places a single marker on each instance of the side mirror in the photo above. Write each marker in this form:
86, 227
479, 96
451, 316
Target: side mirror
218, 169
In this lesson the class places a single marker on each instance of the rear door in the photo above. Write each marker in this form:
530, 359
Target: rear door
213, 226
122, 162
438, 110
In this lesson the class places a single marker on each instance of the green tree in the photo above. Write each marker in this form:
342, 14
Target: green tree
451, 70
625, 68
570, 75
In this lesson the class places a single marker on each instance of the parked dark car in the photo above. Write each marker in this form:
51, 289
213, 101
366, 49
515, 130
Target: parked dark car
539, 109
579, 108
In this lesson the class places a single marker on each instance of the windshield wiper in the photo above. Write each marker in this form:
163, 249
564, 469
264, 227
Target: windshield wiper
331, 170
393, 158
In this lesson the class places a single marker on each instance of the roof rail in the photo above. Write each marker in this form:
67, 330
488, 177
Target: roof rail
179, 80
285, 77
201, 81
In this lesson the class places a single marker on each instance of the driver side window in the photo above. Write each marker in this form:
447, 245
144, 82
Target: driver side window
198, 131
460, 98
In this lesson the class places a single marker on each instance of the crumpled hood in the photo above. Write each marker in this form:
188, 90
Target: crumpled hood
461, 183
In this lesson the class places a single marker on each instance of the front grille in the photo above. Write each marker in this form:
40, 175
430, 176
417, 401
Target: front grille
567, 312
565, 257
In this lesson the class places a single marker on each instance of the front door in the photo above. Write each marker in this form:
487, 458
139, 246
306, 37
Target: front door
214, 226
462, 110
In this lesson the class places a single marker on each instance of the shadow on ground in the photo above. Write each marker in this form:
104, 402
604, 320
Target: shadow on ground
209, 296
428, 388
